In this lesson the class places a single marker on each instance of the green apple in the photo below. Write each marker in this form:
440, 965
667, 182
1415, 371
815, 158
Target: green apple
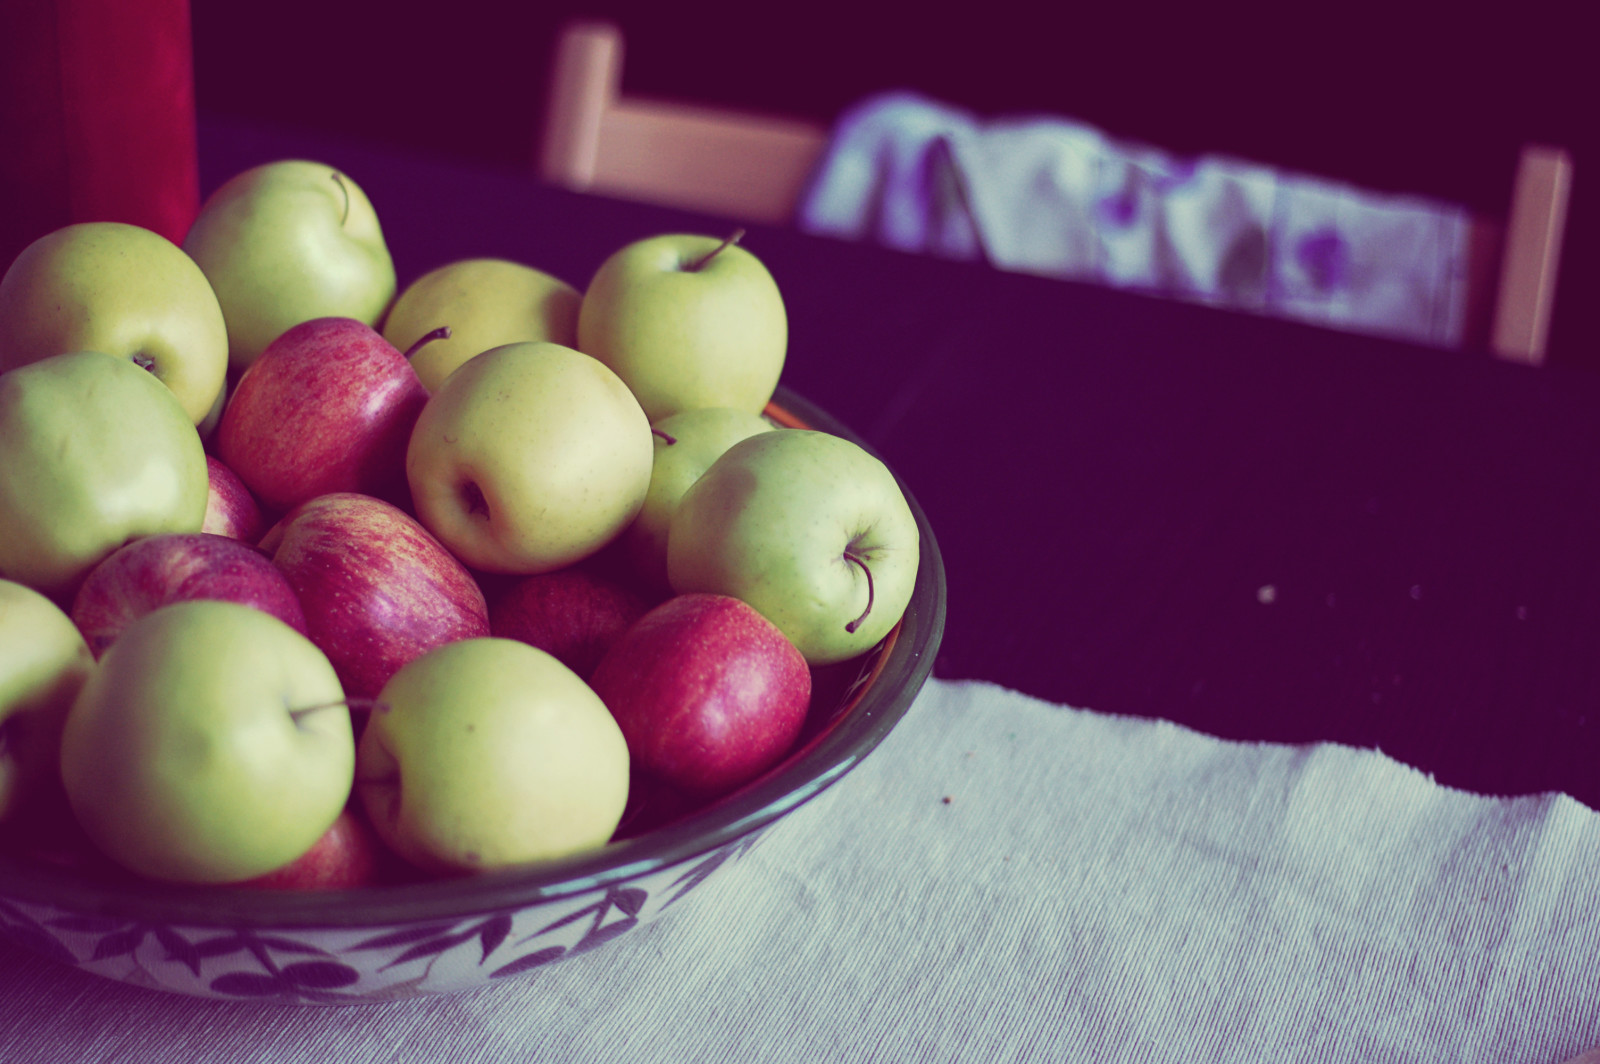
488, 752
531, 456
687, 321
94, 452
809, 529
686, 444
43, 663
286, 242
483, 303
211, 745
121, 289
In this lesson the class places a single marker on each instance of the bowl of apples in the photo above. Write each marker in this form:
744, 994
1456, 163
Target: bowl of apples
360, 643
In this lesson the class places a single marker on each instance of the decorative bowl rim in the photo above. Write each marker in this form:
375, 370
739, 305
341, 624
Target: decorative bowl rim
871, 709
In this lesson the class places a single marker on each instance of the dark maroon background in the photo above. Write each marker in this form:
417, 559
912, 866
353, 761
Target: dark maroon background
1396, 95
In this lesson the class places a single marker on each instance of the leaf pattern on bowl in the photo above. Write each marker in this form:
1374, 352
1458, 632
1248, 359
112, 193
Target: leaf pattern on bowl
334, 966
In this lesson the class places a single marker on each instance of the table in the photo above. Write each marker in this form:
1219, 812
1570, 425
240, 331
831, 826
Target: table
1161, 509
1255, 529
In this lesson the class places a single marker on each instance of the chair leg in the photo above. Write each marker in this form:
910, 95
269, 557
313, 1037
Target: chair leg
1532, 256
586, 80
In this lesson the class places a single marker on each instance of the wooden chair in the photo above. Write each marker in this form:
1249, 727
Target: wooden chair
755, 167
720, 161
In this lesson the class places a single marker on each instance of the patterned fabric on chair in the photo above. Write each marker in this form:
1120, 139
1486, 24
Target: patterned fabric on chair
1052, 196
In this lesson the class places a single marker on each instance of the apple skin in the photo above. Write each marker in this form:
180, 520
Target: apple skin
489, 753
530, 457
574, 614
349, 854
685, 446
43, 664
809, 529
683, 338
708, 693
329, 406
286, 242
155, 571
230, 508
376, 588
210, 745
123, 290
94, 452
484, 303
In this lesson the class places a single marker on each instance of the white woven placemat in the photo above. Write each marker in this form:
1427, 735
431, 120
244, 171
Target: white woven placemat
1007, 880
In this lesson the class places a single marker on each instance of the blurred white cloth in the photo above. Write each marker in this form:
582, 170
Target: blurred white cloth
1008, 880
1048, 195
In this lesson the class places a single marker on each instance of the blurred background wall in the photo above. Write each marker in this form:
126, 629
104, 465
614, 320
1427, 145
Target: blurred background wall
1405, 96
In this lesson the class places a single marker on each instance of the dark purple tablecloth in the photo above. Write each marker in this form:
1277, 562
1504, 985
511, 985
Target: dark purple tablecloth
1255, 528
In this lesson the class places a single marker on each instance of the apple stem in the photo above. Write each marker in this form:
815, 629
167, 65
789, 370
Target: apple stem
441, 333
664, 436
700, 264
369, 704
850, 557
339, 180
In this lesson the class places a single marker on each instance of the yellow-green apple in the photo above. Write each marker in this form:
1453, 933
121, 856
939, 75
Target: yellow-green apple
329, 406
489, 753
471, 305
349, 854
212, 744
687, 321
94, 452
154, 571
808, 528
123, 290
686, 444
376, 588
530, 457
708, 693
574, 613
285, 242
230, 508
43, 663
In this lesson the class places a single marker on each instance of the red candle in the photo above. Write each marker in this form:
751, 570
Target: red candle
97, 117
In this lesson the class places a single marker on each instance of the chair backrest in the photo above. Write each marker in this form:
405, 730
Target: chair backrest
722, 161
756, 167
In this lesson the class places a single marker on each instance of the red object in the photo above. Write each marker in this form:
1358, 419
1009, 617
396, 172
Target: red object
327, 407
97, 116
573, 614
377, 589
231, 510
349, 854
708, 693
154, 571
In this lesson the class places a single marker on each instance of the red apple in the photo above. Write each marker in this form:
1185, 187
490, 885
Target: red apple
349, 854
377, 589
174, 567
572, 613
707, 692
327, 407
230, 508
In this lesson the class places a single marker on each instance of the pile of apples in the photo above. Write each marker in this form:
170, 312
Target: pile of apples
306, 581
